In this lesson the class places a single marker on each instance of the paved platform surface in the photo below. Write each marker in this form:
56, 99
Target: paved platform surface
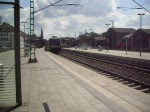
144, 55
68, 87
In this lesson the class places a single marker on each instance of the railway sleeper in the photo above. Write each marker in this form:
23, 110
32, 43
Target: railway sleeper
110, 62
112, 73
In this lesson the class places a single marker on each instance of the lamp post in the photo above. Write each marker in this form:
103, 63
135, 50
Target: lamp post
75, 35
107, 36
112, 40
140, 14
91, 30
112, 23
126, 44
24, 36
24, 31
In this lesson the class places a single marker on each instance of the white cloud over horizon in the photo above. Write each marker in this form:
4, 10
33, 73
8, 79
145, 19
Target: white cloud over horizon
68, 20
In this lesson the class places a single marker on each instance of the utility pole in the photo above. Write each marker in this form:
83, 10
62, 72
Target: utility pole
32, 12
140, 14
112, 39
75, 35
24, 36
107, 36
112, 23
32, 58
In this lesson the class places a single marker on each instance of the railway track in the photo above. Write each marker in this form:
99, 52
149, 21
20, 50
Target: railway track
135, 71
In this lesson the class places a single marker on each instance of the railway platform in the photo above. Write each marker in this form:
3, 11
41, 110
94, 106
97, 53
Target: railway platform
54, 84
130, 54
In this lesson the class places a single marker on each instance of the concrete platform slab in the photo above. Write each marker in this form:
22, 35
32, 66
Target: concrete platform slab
68, 87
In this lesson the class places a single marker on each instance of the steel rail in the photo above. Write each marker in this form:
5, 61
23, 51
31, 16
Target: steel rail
142, 83
120, 63
133, 67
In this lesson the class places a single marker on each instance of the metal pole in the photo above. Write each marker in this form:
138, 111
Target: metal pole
17, 51
140, 15
24, 36
28, 35
75, 35
112, 33
112, 23
126, 44
140, 33
107, 36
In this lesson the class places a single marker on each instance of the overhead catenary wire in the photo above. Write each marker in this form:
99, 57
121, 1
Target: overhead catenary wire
54, 4
129, 7
141, 6
47, 6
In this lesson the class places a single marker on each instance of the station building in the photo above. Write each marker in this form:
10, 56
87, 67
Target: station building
115, 35
7, 36
138, 39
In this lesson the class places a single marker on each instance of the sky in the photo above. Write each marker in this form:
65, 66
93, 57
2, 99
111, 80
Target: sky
90, 15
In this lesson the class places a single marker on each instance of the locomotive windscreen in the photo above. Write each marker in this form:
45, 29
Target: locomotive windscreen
55, 42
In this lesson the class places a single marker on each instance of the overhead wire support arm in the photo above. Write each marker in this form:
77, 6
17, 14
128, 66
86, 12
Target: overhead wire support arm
53, 4
141, 6
68, 4
11, 3
128, 8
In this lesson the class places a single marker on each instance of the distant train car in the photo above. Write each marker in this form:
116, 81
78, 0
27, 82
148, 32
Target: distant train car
53, 45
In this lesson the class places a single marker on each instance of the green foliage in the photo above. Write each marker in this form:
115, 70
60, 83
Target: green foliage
87, 37
34, 35
4, 23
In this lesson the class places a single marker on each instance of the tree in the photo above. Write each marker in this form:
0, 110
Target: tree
87, 38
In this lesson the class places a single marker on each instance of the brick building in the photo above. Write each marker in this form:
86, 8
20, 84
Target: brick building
144, 39
115, 35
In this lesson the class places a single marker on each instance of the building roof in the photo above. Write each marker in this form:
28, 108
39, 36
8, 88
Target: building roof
124, 30
146, 31
128, 35
9, 28
6, 27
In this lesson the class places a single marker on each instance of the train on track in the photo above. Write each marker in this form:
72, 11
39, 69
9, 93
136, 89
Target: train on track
53, 45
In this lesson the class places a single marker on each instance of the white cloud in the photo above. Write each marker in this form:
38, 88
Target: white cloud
71, 19
66, 20
7, 15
